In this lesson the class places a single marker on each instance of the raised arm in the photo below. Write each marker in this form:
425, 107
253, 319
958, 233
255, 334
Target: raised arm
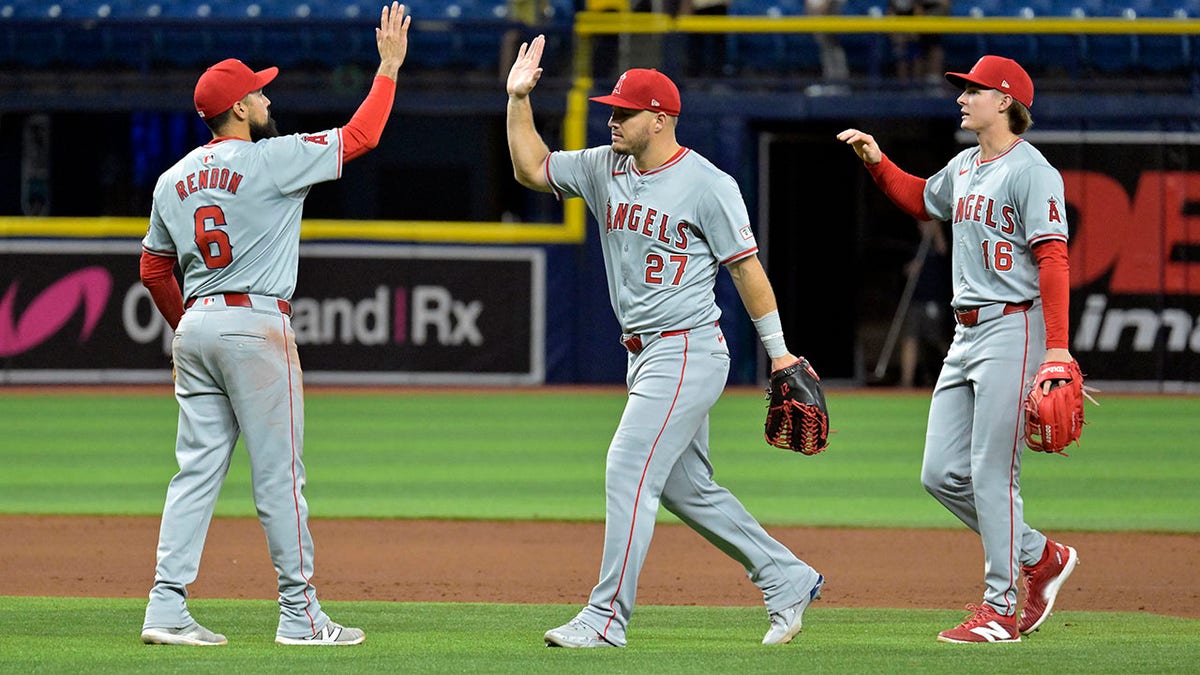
904, 189
525, 145
365, 128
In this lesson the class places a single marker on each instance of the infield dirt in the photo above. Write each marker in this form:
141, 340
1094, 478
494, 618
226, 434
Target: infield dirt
553, 562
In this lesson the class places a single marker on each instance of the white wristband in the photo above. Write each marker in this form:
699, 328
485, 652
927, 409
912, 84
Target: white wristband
770, 331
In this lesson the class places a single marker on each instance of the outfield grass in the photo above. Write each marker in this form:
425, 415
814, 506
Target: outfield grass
539, 454
58, 635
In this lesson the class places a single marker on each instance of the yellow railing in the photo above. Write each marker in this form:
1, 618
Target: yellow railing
317, 230
609, 23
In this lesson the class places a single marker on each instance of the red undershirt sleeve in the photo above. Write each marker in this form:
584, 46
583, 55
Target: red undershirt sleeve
158, 276
364, 129
1054, 283
904, 189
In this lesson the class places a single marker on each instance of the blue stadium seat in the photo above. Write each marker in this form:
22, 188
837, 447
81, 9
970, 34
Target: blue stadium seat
865, 7
1110, 54
36, 44
772, 52
963, 49
562, 11
90, 39
367, 10
31, 9
1022, 48
1063, 52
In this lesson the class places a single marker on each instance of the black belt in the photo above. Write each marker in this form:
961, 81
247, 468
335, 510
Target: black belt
243, 300
971, 317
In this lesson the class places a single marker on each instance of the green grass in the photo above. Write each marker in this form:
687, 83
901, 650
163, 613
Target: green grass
539, 454
101, 636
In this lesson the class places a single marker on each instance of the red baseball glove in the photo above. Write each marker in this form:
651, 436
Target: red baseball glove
797, 418
1054, 414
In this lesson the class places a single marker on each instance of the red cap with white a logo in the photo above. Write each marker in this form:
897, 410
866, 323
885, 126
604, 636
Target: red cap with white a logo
643, 89
996, 72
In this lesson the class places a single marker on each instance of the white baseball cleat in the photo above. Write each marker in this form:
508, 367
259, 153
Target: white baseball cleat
193, 635
332, 634
575, 634
786, 623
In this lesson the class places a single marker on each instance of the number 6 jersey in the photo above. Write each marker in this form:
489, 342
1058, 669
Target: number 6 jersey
230, 211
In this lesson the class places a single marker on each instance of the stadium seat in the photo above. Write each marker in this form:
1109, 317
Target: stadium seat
1023, 48
1110, 54
1160, 53
771, 52
30, 35
1061, 53
561, 12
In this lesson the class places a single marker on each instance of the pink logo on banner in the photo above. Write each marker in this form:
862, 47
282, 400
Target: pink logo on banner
52, 309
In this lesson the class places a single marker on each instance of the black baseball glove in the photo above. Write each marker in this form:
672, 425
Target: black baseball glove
797, 418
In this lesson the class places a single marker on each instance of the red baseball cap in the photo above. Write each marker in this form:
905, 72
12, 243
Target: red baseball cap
643, 89
227, 83
999, 73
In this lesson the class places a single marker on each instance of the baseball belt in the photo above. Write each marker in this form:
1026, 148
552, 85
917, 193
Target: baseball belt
636, 342
977, 315
243, 300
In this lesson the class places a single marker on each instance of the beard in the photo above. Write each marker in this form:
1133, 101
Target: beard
265, 130
631, 146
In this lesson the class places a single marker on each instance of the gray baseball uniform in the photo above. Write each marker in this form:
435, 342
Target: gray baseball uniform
230, 211
665, 234
998, 209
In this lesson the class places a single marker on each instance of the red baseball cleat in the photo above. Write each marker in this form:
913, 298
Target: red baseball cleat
1042, 583
984, 625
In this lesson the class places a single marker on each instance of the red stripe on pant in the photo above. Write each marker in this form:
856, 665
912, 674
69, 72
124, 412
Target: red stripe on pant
642, 482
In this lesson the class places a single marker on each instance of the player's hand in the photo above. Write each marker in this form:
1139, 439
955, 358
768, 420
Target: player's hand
526, 70
1059, 355
392, 39
782, 362
864, 145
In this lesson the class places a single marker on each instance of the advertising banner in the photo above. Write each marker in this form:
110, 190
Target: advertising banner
74, 311
1134, 211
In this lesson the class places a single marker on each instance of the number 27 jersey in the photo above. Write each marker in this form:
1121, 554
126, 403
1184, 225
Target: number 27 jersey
664, 232
230, 211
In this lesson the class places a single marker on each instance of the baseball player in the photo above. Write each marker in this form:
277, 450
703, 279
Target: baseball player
1010, 298
669, 220
229, 213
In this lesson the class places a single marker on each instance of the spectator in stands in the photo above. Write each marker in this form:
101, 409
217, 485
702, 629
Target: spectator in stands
834, 70
919, 57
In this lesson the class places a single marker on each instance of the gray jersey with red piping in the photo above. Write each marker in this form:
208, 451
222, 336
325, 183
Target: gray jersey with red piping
230, 211
664, 233
998, 210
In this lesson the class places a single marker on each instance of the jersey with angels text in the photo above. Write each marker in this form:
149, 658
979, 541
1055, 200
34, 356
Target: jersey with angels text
230, 211
664, 233
998, 210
